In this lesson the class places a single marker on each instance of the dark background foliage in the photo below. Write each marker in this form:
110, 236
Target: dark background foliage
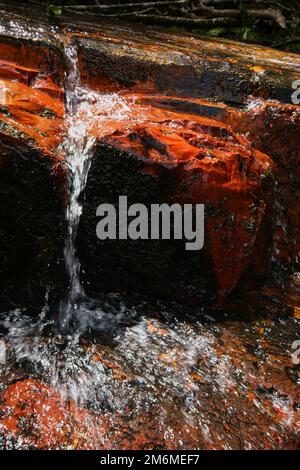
274, 23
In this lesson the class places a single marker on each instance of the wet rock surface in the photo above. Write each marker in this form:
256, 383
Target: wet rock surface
174, 120
276, 129
32, 228
138, 74
162, 384
183, 65
32, 176
179, 158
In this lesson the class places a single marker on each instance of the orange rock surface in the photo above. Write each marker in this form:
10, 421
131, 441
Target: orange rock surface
31, 102
33, 186
227, 384
275, 129
178, 132
222, 386
206, 162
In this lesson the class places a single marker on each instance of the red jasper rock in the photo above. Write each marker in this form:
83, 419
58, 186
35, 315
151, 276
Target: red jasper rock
176, 157
34, 416
185, 66
230, 385
32, 173
275, 129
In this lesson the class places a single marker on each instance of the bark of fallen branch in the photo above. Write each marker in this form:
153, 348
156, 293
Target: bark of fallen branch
122, 6
210, 16
281, 7
227, 18
213, 3
257, 3
268, 14
287, 43
183, 21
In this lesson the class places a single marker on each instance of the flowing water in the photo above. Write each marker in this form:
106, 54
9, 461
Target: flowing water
84, 108
58, 354
172, 371
78, 150
78, 314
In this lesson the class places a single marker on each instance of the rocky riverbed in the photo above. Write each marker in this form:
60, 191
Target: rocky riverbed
164, 348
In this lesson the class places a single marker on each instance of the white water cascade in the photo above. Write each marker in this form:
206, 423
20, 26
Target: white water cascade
84, 109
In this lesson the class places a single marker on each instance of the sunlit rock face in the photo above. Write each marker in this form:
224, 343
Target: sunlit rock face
32, 178
183, 65
165, 76
176, 142
173, 157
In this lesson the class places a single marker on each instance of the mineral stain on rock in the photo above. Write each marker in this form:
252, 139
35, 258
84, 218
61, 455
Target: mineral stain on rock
173, 157
32, 177
196, 351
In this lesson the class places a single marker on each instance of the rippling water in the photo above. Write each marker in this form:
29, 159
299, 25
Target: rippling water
196, 375
163, 365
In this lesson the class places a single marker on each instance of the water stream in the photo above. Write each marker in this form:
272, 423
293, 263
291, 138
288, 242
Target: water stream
60, 356
78, 152
84, 109
185, 378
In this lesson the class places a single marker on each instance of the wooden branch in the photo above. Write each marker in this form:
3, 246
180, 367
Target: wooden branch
183, 21
287, 43
185, 12
268, 14
122, 6
277, 4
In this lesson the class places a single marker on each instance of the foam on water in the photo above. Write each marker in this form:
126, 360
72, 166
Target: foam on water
155, 355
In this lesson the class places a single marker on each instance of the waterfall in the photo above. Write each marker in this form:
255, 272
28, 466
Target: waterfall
84, 109
77, 147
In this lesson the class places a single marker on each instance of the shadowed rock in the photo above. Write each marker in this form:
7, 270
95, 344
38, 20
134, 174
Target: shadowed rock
179, 158
275, 129
32, 176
